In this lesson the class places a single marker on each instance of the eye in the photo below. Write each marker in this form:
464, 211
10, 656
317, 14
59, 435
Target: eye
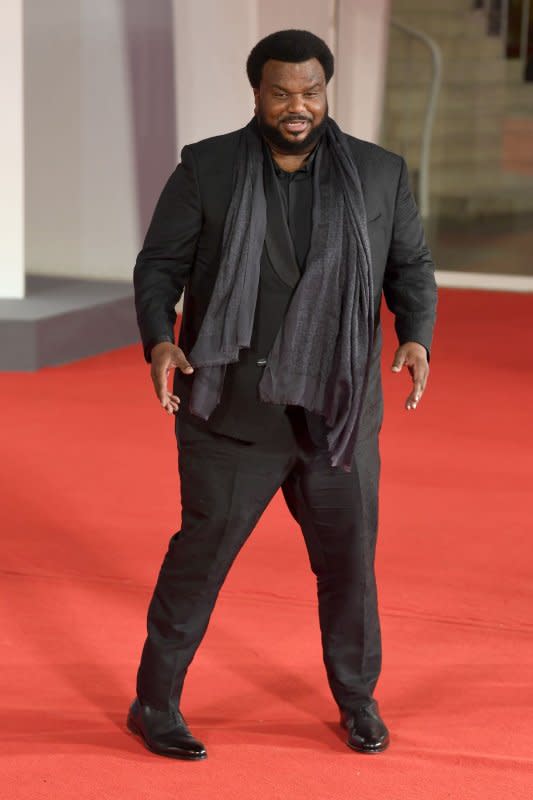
280, 94
310, 94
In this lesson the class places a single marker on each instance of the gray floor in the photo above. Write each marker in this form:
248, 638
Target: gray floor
62, 320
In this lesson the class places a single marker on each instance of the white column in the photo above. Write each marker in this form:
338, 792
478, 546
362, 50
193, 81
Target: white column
361, 58
110, 233
11, 151
100, 136
212, 41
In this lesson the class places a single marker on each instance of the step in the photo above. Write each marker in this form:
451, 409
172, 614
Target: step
454, 48
399, 7
519, 98
469, 126
444, 25
463, 147
517, 145
453, 72
451, 157
518, 125
483, 136
465, 180
466, 98
514, 68
517, 166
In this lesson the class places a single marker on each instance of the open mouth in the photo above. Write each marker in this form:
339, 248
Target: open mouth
296, 126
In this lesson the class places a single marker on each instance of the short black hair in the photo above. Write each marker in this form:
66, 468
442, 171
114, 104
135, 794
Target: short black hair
293, 46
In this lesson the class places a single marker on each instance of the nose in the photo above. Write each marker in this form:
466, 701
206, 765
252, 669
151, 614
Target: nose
296, 104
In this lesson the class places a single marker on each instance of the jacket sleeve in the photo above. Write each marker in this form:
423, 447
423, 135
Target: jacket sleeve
409, 282
166, 259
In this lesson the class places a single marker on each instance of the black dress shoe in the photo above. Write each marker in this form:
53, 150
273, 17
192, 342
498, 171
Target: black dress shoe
367, 733
164, 732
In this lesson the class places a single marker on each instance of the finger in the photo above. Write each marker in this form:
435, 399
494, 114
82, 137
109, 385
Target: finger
410, 404
419, 373
420, 376
413, 400
168, 407
418, 389
159, 379
182, 364
415, 396
399, 361
174, 402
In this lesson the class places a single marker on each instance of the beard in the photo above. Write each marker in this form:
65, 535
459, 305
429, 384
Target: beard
283, 145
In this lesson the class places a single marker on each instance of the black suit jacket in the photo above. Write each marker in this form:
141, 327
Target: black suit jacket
182, 252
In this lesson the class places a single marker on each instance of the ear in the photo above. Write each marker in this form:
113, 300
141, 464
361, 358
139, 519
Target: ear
256, 99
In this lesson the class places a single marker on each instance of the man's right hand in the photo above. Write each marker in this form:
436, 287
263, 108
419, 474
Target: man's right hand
166, 356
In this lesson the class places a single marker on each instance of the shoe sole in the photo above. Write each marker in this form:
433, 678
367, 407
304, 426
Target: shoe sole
133, 728
368, 751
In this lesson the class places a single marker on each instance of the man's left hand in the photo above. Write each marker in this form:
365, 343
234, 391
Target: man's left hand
413, 356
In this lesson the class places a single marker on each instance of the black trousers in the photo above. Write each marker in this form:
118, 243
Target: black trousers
225, 486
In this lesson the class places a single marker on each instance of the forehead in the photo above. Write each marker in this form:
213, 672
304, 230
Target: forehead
292, 76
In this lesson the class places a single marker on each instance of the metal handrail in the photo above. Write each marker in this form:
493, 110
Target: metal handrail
425, 148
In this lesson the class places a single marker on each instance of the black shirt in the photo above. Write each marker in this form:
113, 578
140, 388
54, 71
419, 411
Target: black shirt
297, 197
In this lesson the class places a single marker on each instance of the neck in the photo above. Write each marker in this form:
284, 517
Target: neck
289, 163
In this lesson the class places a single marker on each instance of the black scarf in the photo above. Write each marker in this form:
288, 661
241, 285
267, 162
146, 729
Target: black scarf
321, 355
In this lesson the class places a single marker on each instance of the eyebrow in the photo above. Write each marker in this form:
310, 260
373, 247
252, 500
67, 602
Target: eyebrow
316, 85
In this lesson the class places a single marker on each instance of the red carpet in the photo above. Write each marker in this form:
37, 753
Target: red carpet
90, 497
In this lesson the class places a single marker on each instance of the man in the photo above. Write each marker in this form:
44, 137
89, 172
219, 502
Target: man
284, 235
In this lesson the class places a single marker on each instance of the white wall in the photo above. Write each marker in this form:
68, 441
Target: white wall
11, 151
212, 89
212, 42
213, 93
100, 131
108, 191
52, 127
114, 88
